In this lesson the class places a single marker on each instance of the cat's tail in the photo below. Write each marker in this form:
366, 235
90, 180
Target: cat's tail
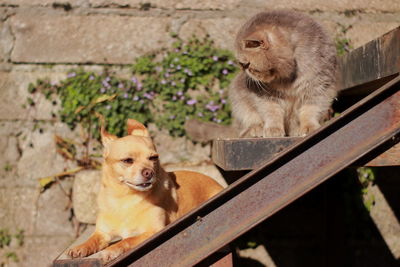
206, 131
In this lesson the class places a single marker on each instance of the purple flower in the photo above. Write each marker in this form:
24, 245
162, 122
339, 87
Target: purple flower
163, 81
173, 83
102, 90
211, 107
182, 97
91, 77
186, 71
176, 50
217, 120
135, 98
200, 114
108, 79
190, 73
126, 95
106, 84
71, 75
166, 75
148, 96
178, 67
225, 71
172, 117
158, 68
139, 86
174, 98
183, 80
185, 52
223, 101
179, 93
120, 85
230, 62
108, 107
215, 58
191, 102
134, 80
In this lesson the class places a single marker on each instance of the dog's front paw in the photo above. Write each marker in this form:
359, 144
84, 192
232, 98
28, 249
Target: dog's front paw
109, 254
80, 251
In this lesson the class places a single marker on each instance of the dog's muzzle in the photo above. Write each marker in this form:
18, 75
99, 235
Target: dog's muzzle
139, 187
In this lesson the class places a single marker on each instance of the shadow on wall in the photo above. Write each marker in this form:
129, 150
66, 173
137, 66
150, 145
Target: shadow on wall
329, 226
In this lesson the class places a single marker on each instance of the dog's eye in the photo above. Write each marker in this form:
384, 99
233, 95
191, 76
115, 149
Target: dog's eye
252, 43
127, 160
153, 158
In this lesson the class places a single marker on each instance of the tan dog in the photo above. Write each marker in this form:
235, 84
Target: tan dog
138, 197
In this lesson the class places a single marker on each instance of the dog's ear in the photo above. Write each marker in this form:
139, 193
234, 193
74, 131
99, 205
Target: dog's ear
136, 128
106, 138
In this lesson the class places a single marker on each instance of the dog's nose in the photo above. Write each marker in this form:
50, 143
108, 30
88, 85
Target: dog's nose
147, 173
244, 65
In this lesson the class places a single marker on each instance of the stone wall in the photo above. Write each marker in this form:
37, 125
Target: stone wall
45, 38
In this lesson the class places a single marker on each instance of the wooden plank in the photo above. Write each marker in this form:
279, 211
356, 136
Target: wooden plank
222, 258
371, 63
390, 157
247, 153
250, 153
65, 261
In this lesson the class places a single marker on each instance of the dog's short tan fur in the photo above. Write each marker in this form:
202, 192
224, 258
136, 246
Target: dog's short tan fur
138, 197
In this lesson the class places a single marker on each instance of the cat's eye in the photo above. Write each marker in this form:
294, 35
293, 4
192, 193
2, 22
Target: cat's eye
252, 43
153, 158
127, 160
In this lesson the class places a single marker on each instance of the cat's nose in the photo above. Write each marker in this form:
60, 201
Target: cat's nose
244, 65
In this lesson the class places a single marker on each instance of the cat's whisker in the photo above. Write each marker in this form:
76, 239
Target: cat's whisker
262, 86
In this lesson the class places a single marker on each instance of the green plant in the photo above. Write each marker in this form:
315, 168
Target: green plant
20, 236
8, 167
83, 94
189, 81
5, 238
366, 177
11, 256
186, 81
343, 44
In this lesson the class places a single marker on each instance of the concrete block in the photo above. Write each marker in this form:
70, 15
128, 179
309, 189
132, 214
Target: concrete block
86, 39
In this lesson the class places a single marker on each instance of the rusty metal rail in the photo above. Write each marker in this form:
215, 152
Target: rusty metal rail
357, 133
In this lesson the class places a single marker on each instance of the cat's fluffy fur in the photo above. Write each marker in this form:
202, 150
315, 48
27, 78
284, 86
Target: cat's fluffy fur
288, 78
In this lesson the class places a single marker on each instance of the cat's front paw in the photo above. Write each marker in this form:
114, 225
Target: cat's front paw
252, 131
273, 132
307, 128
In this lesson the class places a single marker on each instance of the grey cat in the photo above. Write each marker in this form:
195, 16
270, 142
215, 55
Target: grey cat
287, 82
